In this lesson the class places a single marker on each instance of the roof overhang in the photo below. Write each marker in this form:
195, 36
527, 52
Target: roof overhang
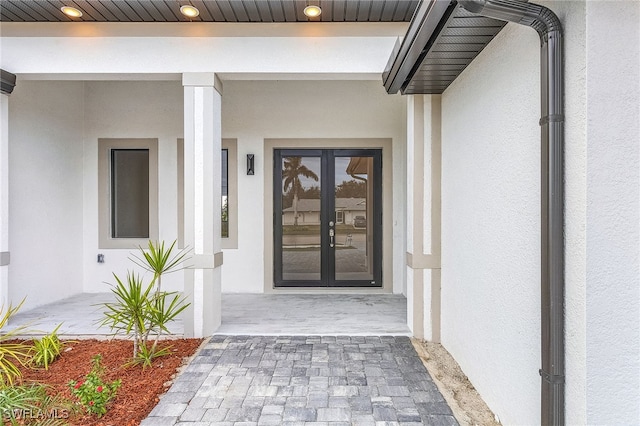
442, 39
7, 82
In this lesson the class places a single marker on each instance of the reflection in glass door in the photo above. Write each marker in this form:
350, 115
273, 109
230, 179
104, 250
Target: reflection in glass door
328, 218
301, 237
353, 237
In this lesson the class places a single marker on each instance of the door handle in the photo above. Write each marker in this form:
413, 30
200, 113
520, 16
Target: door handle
331, 236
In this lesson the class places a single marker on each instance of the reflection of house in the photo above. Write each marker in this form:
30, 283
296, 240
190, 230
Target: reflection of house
309, 211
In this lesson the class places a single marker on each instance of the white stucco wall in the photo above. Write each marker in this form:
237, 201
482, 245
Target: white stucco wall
197, 54
284, 49
130, 110
255, 110
490, 202
491, 225
613, 213
572, 15
45, 191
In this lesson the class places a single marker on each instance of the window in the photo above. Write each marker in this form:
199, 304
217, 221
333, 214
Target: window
339, 216
128, 192
229, 182
230, 193
225, 193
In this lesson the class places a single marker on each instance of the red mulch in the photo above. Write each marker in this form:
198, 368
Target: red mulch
140, 388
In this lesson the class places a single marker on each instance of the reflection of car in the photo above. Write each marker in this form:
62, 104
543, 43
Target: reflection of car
359, 222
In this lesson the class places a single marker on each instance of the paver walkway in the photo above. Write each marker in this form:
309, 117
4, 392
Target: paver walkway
303, 380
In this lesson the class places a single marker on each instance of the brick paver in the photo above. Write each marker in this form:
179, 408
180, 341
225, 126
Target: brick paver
303, 380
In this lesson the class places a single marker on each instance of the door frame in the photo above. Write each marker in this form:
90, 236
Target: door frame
385, 144
327, 156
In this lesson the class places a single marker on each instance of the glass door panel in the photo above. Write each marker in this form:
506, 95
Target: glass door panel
301, 224
328, 218
354, 209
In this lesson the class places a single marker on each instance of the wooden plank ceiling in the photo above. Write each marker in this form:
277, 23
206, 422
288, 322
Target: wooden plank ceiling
210, 10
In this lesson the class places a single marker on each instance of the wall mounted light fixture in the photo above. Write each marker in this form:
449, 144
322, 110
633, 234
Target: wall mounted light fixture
251, 165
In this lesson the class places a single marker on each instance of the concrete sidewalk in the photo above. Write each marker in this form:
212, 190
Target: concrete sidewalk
303, 380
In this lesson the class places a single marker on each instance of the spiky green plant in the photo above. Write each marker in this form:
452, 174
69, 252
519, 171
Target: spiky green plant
159, 260
12, 352
47, 349
32, 404
129, 314
141, 312
146, 355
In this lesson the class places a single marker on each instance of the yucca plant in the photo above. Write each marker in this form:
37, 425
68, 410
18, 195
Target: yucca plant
129, 314
12, 353
159, 260
143, 311
47, 349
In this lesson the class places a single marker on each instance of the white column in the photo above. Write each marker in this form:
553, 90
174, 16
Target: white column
423, 216
202, 202
4, 200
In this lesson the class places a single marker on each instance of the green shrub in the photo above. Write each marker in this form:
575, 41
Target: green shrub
47, 349
146, 355
92, 392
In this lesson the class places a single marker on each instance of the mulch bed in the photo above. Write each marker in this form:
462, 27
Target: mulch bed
140, 389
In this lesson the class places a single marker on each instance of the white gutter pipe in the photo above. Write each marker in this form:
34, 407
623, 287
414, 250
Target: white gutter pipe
548, 26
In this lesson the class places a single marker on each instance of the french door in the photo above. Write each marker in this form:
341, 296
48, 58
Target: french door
327, 218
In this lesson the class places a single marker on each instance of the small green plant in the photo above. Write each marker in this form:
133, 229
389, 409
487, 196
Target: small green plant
32, 404
146, 355
93, 393
143, 311
12, 353
47, 349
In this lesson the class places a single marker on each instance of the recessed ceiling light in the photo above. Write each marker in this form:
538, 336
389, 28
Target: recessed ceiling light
312, 11
71, 11
189, 11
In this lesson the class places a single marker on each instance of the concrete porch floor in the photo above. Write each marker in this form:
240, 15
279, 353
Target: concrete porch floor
243, 314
